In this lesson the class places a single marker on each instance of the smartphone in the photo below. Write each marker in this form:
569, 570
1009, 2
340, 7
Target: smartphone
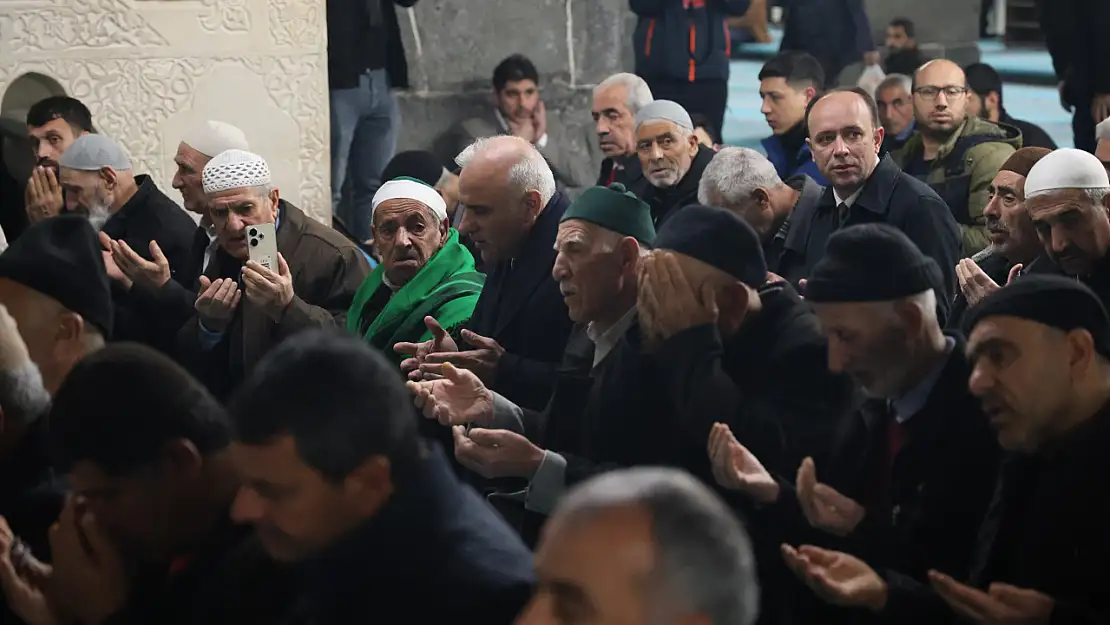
262, 244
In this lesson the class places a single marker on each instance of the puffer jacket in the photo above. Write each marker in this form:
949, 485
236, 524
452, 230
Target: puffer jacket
683, 40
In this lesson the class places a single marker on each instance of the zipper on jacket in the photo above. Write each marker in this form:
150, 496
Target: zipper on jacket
687, 5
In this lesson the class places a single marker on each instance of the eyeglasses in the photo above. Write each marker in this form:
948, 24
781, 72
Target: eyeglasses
951, 92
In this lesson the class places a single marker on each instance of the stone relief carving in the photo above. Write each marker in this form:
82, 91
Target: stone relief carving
67, 25
296, 23
225, 16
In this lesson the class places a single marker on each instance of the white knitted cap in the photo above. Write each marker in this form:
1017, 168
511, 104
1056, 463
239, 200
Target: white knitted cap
93, 152
212, 137
235, 169
410, 189
1066, 168
665, 110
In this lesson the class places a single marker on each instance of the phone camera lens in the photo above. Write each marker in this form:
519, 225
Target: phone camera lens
262, 236
254, 242
252, 232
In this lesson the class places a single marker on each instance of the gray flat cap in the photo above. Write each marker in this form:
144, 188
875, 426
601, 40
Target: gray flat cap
94, 152
665, 110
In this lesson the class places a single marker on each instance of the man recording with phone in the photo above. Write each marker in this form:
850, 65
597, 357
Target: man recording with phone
243, 307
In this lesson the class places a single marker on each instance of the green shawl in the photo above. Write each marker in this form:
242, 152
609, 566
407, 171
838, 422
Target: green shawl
447, 288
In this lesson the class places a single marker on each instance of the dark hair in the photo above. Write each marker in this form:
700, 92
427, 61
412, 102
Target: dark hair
71, 110
905, 24
800, 70
121, 404
702, 121
983, 79
861, 92
339, 398
516, 67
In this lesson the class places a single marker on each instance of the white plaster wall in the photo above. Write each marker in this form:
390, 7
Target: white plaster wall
148, 69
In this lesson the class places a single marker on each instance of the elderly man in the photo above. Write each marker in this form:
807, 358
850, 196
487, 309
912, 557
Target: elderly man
845, 136
1067, 194
671, 157
894, 98
511, 212
1014, 242
745, 182
954, 153
602, 237
53, 284
53, 124
910, 474
317, 275
425, 270
425, 167
617, 101
1039, 540
131, 213
617, 530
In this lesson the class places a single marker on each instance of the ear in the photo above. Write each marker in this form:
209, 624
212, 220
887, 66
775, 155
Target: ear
911, 315
1081, 352
733, 302
180, 459
810, 93
69, 336
992, 99
370, 485
108, 175
275, 197
694, 143
629, 250
880, 133
444, 231
533, 203
761, 197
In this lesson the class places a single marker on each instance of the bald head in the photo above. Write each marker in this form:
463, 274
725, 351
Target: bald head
939, 99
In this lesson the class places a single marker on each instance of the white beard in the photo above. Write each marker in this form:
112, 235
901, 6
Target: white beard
98, 215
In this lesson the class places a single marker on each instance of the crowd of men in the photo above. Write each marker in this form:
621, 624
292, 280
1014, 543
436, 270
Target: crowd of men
827, 385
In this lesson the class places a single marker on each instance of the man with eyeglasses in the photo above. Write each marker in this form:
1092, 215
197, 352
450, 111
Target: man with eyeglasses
956, 154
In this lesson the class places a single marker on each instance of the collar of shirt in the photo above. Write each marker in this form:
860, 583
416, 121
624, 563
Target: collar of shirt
906, 406
605, 340
541, 143
848, 201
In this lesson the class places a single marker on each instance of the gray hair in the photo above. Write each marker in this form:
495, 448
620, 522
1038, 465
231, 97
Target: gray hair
704, 561
444, 178
23, 394
895, 80
530, 173
733, 175
1102, 130
639, 93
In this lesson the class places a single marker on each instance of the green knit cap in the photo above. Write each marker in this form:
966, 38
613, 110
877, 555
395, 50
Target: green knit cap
614, 208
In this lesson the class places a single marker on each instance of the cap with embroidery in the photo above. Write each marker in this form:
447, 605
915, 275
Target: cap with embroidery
212, 137
94, 152
235, 169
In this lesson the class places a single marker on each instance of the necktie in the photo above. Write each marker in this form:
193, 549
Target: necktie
842, 213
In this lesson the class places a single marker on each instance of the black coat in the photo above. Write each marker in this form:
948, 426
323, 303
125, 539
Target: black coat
808, 197
1075, 33
346, 37
665, 202
889, 196
149, 216
174, 303
631, 174
436, 553
522, 309
228, 580
1032, 135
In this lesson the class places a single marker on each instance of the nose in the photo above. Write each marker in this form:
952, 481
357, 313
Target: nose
43, 150
602, 126
234, 222
466, 225
71, 202
838, 357
839, 146
560, 270
177, 183
979, 382
1060, 240
941, 101
766, 107
656, 152
992, 209
247, 506
402, 238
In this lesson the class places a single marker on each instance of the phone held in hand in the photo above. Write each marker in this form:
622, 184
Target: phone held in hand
262, 245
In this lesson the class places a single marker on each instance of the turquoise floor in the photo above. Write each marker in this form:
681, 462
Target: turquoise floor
1027, 94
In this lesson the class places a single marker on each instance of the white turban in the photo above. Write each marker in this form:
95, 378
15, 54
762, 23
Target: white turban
212, 137
235, 169
1066, 168
410, 189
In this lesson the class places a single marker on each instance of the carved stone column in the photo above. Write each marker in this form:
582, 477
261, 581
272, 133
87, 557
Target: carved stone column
148, 69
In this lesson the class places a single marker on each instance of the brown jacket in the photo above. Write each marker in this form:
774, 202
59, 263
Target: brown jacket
327, 270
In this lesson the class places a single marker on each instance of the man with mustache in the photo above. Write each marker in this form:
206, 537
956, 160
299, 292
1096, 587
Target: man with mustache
845, 136
1067, 195
425, 271
53, 125
954, 153
617, 101
671, 157
1014, 242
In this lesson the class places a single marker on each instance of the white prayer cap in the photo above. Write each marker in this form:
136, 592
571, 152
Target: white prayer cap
212, 137
1066, 168
235, 169
94, 152
665, 110
410, 189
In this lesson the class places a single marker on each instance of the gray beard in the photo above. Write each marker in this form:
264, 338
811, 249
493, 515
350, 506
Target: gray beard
98, 216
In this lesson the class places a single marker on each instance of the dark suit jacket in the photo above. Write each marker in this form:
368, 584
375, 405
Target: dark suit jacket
889, 196
522, 309
148, 216
327, 270
436, 553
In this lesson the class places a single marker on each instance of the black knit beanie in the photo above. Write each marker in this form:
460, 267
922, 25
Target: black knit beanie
718, 238
871, 263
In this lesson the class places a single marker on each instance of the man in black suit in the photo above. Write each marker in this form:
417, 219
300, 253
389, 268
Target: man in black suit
340, 481
519, 329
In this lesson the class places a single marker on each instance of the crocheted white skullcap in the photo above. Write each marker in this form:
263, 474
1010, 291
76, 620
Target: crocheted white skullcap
235, 169
212, 137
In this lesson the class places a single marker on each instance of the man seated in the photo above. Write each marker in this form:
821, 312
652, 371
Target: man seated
53, 124
425, 270
426, 167
671, 156
97, 176
787, 84
617, 101
984, 100
146, 536
317, 275
519, 111
894, 98
339, 481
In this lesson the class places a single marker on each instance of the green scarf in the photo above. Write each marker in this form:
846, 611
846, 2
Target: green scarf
447, 288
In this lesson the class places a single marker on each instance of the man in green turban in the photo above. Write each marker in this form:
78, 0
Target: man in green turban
425, 270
